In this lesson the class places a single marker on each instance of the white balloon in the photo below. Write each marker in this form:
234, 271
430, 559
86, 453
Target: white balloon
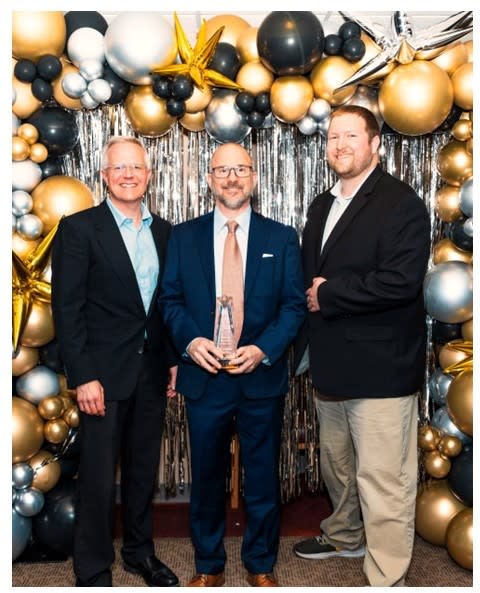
29, 227
85, 43
37, 384
74, 85
22, 202
25, 175
99, 90
91, 69
88, 101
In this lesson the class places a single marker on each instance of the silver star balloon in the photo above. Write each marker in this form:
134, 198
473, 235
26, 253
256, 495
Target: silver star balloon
402, 44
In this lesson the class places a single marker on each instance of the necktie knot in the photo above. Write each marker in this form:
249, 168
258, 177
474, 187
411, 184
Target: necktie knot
232, 226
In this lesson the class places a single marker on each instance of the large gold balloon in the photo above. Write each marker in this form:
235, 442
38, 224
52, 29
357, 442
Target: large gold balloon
416, 98
462, 80
20, 149
247, 45
436, 464
446, 250
447, 203
428, 437
27, 430
39, 329
455, 163
35, 34
55, 431
46, 470
330, 73
50, 408
452, 57
25, 359
147, 113
467, 330
234, 27
372, 50
435, 508
450, 355
199, 100
57, 196
25, 103
59, 94
460, 538
255, 78
460, 401
290, 98
194, 122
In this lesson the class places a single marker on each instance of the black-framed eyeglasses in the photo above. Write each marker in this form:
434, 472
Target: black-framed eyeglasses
240, 171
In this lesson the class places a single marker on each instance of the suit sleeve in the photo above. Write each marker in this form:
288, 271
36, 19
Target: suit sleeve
397, 275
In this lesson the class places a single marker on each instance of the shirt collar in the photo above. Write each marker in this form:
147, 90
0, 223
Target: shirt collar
336, 189
121, 219
243, 219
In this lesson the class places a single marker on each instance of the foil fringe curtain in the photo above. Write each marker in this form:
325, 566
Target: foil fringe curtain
292, 170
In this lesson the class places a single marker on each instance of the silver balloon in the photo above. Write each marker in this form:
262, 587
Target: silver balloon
137, 42
22, 202
307, 125
25, 175
91, 69
439, 383
74, 85
322, 126
367, 96
224, 122
15, 123
22, 475
21, 532
29, 502
85, 43
268, 122
14, 95
468, 227
319, 109
37, 384
88, 101
443, 422
14, 494
29, 227
448, 292
466, 197
100, 90
14, 223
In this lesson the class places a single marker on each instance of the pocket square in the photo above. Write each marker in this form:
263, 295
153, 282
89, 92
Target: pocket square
267, 254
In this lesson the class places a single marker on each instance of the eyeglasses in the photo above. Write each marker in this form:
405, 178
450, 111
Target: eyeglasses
240, 171
121, 168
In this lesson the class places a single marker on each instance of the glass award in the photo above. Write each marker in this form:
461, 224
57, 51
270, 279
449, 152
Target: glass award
224, 334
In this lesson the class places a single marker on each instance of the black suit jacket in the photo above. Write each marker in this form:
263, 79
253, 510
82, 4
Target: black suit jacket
369, 338
99, 316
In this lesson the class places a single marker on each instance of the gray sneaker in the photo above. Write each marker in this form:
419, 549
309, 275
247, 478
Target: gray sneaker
317, 548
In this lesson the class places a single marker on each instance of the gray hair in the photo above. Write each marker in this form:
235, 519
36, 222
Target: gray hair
123, 140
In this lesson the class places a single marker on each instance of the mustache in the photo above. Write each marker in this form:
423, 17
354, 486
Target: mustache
230, 184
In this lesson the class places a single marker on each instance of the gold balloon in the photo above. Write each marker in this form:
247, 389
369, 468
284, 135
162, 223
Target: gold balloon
462, 130
459, 539
194, 122
428, 437
450, 445
469, 47
38, 152
199, 100
20, 149
255, 78
247, 45
46, 470
467, 330
435, 507
469, 146
35, 34
290, 98
25, 103
26, 358
449, 354
72, 416
23, 247
446, 250
452, 57
147, 113
58, 93
55, 431
415, 98
50, 408
460, 402
39, 329
59, 195
454, 163
447, 203
436, 464
28, 132
330, 73
27, 430
372, 50
234, 27
462, 80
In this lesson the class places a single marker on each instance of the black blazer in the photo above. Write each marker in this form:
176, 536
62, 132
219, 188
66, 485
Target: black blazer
369, 338
99, 316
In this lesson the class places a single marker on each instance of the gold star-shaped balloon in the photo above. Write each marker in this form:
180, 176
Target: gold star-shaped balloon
196, 60
465, 346
27, 284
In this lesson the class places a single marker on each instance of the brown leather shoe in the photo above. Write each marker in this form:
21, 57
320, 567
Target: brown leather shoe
262, 580
207, 580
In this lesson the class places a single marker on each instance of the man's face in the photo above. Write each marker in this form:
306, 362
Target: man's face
232, 192
350, 152
126, 173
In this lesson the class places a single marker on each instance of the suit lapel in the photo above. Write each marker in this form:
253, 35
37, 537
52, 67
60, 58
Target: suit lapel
206, 252
258, 236
159, 239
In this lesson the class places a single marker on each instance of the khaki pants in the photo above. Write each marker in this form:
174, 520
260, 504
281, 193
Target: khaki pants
368, 455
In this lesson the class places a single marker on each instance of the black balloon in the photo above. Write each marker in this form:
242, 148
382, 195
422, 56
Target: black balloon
262, 102
460, 476
349, 29
182, 87
175, 107
69, 467
25, 70
353, 49
84, 18
245, 101
42, 89
162, 87
49, 67
460, 237
52, 166
290, 42
333, 45
57, 129
225, 60
50, 356
120, 88
255, 119
445, 332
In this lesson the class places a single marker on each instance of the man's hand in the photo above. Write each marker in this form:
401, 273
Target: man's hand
248, 358
205, 354
312, 294
172, 381
90, 398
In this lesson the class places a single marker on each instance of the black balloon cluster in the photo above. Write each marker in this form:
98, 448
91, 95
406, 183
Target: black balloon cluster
255, 107
40, 75
175, 90
346, 43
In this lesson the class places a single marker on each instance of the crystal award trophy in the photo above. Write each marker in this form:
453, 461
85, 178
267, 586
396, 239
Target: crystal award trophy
224, 335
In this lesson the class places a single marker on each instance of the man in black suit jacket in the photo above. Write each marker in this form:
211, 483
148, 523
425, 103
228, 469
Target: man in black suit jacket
366, 245
107, 263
